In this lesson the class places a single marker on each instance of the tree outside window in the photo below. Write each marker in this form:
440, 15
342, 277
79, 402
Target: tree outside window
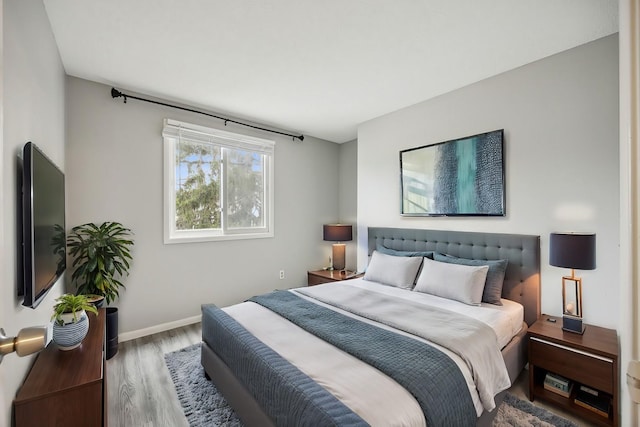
220, 186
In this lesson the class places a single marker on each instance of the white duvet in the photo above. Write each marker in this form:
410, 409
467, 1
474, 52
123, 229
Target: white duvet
372, 395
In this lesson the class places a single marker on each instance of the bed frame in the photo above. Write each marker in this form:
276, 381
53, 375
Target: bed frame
521, 284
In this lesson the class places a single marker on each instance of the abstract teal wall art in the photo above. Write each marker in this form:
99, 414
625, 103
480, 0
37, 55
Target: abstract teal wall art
460, 177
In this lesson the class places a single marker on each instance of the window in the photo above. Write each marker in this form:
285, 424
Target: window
218, 185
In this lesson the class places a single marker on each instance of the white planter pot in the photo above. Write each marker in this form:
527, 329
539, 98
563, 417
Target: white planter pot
70, 335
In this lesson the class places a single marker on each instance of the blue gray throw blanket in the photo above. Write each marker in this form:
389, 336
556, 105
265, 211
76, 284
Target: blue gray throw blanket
289, 396
428, 374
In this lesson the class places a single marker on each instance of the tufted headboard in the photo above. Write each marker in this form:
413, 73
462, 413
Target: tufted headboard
522, 278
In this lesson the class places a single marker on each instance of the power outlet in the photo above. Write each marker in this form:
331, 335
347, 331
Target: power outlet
281, 274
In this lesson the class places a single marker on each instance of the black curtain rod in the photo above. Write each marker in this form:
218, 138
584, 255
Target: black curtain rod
117, 94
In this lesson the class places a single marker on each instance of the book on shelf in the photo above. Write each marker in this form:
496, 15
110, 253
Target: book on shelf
593, 400
560, 391
555, 382
589, 390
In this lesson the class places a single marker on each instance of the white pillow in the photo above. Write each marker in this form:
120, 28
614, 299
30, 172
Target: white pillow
398, 271
462, 283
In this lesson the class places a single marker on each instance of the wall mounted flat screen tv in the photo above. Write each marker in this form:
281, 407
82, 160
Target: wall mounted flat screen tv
43, 224
461, 177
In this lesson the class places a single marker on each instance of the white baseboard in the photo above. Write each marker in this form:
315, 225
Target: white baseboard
127, 336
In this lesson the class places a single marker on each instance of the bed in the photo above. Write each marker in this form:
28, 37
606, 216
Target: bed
316, 381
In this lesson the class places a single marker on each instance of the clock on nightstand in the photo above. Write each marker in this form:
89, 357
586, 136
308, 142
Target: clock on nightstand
319, 277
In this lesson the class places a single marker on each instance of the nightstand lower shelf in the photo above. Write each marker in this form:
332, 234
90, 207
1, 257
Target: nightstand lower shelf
568, 403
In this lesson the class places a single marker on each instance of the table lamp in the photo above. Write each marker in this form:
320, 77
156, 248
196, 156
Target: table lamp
337, 233
576, 251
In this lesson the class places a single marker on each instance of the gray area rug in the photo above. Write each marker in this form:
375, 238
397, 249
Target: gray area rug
204, 406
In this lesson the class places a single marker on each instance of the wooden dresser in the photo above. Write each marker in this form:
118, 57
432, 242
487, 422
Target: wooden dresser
67, 387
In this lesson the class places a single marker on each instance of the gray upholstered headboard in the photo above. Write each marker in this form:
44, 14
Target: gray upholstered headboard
522, 279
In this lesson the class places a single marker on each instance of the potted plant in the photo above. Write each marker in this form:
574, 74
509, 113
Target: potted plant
71, 323
102, 255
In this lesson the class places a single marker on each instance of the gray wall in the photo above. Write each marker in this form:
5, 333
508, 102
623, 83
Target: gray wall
114, 172
560, 117
32, 105
348, 197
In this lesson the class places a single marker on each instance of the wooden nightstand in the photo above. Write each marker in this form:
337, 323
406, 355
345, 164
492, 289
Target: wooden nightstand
319, 277
590, 359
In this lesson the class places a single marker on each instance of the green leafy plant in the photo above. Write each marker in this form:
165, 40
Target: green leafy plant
69, 303
102, 255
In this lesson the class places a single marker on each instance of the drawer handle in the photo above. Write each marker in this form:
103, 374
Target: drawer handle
574, 350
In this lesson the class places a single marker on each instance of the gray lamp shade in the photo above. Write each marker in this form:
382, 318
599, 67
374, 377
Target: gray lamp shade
337, 232
573, 250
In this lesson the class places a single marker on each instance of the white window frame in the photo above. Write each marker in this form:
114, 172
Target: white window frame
174, 131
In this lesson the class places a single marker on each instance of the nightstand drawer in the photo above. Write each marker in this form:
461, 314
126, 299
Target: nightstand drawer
319, 277
581, 366
316, 280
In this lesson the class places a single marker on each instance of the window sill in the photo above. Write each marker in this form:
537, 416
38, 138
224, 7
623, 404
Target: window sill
191, 237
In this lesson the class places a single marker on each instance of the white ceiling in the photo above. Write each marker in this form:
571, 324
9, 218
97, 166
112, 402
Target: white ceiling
315, 67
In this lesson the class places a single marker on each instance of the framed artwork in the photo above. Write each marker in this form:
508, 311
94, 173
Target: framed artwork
460, 177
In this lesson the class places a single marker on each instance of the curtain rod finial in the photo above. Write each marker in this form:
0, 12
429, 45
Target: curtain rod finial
115, 93
301, 138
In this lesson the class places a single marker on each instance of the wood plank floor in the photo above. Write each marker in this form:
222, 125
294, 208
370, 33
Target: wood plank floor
141, 393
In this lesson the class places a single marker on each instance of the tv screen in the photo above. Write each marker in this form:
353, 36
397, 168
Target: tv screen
461, 177
43, 224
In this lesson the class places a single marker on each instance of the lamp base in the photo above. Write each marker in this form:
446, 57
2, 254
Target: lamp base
573, 324
338, 256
